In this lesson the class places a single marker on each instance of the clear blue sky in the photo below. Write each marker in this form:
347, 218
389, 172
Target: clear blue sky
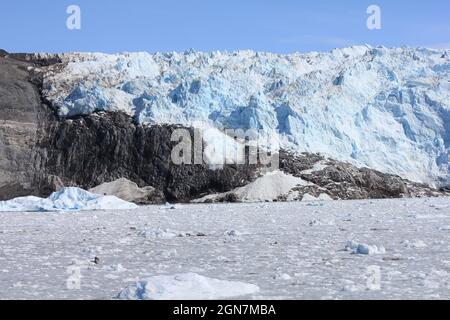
176, 25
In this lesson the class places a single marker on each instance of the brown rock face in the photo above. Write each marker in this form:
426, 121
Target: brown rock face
20, 108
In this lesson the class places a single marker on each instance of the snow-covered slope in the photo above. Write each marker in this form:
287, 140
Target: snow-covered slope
388, 109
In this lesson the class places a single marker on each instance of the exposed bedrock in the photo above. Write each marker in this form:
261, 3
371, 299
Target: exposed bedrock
20, 119
341, 180
103, 147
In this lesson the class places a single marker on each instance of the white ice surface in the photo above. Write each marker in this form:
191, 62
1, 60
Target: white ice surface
67, 199
289, 250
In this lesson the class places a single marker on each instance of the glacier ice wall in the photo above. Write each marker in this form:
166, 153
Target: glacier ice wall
388, 109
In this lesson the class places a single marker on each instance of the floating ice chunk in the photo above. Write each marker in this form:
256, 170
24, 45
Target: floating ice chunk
66, 199
414, 244
232, 233
167, 233
187, 286
282, 276
158, 233
350, 286
321, 197
316, 222
382, 111
362, 248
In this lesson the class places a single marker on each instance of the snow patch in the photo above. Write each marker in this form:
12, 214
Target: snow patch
387, 109
125, 190
169, 206
322, 197
317, 222
232, 233
319, 166
418, 244
168, 234
282, 276
365, 249
266, 188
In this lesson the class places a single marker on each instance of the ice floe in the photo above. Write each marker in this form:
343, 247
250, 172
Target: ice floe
190, 286
365, 249
66, 199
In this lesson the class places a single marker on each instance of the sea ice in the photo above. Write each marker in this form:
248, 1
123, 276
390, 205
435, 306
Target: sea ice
365, 249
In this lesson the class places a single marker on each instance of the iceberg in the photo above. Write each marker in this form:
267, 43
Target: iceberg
66, 199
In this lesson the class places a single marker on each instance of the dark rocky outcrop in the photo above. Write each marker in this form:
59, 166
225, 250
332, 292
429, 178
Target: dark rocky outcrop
344, 181
87, 151
129, 191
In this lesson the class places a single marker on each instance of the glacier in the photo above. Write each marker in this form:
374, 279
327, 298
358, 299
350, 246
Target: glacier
384, 108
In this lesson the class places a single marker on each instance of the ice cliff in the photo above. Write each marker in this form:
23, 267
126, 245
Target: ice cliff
388, 109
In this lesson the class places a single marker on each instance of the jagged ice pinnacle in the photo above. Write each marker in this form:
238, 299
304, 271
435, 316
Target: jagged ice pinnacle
388, 109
